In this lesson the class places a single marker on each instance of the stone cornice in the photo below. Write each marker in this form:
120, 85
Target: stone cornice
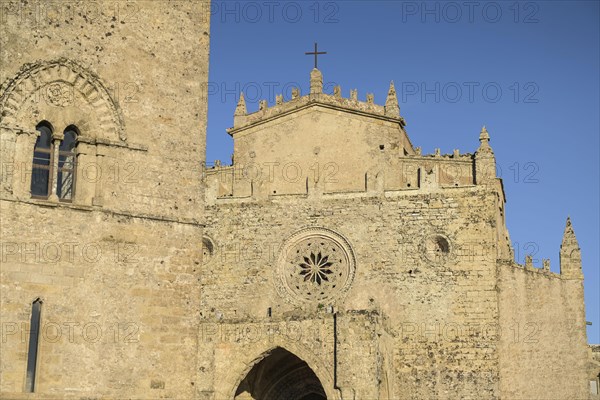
85, 208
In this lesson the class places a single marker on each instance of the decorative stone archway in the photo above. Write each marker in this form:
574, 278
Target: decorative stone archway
65, 93
280, 376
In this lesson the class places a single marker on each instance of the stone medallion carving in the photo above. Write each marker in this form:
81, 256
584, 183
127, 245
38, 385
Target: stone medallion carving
315, 265
59, 94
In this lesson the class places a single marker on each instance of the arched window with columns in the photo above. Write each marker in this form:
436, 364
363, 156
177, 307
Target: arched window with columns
43, 161
72, 95
53, 173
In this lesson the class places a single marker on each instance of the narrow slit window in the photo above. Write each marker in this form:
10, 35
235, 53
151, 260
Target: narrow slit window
41, 172
34, 335
67, 165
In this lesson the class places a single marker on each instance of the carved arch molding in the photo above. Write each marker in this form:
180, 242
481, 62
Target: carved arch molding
44, 87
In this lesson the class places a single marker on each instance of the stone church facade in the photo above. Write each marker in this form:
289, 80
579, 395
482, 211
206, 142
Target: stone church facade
332, 259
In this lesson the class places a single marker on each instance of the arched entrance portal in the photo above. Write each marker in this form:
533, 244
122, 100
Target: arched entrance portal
280, 376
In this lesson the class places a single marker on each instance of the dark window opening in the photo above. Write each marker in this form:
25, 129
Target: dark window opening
442, 245
208, 250
34, 334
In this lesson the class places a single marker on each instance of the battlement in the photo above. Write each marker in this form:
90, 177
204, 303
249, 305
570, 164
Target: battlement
389, 111
570, 259
423, 173
456, 155
528, 266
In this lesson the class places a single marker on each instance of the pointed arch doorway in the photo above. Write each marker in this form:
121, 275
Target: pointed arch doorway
280, 376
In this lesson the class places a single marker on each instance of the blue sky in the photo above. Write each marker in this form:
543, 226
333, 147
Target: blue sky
529, 71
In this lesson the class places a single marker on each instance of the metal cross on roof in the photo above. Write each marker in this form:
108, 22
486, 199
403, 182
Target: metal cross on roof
316, 54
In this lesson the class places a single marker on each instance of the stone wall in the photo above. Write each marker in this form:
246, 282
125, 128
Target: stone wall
384, 172
120, 302
424, 323
594, 371
543, 346
435, 281
117, 267
389, 273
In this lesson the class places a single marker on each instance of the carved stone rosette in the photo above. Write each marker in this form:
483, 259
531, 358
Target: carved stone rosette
315, 265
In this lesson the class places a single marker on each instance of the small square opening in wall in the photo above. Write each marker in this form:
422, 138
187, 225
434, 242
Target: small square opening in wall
381, 147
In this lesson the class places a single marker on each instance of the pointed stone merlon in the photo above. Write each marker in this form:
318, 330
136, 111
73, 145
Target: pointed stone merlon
485, 161
337, 92
529, 261
570, 254
392, 109
546, 264
239, 116
295, 93
316, 81
241, 110
484, 138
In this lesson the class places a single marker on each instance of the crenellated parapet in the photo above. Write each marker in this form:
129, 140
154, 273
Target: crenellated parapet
529, 266
256, 179
412, 172
455, 155
389, 111
569, 257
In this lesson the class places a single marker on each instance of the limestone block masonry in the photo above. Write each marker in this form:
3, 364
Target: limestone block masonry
116, 267
331, 260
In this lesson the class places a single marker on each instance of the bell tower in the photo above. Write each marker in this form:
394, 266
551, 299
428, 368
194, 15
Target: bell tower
103, 112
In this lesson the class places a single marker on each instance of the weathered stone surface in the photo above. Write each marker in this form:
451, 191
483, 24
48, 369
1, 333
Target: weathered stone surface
436, 308
117, 268
333, 259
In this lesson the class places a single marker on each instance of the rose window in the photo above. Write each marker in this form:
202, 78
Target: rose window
316, 265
